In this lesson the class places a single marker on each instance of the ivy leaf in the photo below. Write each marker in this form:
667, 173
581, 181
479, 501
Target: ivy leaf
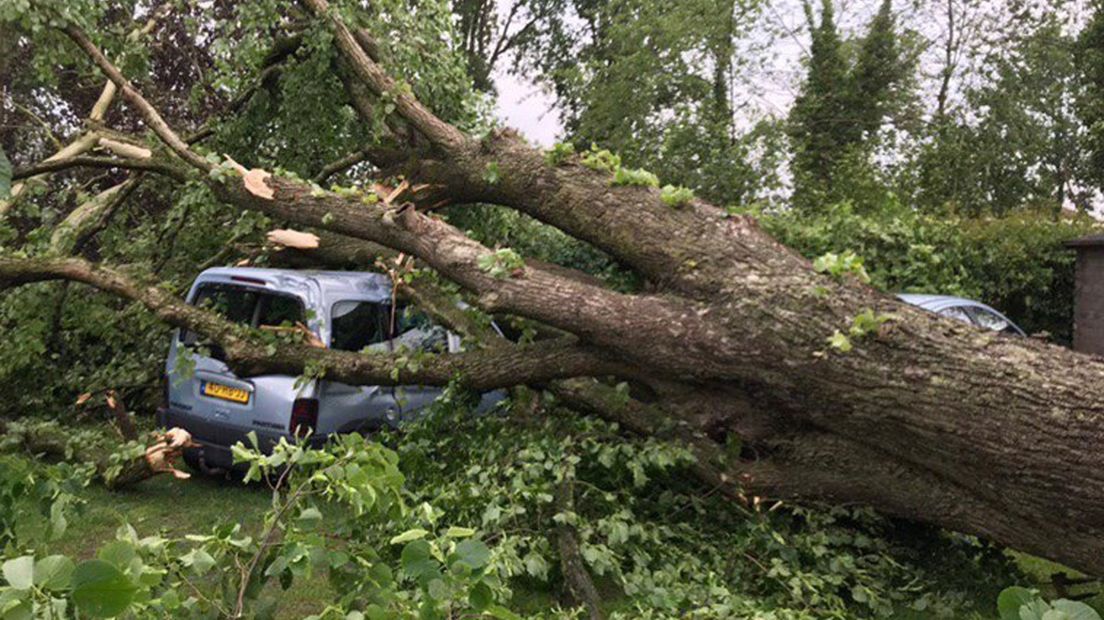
5, 175
100, 590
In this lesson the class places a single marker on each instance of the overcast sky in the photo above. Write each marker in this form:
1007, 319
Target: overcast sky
526, 107
777, 44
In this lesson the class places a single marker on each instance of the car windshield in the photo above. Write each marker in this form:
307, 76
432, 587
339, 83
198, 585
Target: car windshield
247, 306
369, 325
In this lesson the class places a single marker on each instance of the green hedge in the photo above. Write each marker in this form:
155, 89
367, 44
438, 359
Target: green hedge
1016, 263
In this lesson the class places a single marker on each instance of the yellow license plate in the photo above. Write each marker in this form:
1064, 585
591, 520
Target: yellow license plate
225, 392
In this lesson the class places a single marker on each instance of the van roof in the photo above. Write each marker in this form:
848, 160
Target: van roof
332, 284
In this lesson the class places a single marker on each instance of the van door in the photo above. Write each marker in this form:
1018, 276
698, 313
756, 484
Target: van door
371, 327
226, 407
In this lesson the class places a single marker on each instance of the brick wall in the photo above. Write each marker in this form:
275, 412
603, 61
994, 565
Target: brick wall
1088, 304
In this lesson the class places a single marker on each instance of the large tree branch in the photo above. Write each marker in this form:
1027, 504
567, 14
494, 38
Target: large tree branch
90, 217
249, 355
52, 164
597, 315
148, 113
440, 133
578, 201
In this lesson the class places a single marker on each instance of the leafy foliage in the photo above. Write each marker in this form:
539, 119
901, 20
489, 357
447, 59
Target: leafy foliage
1017, 603
844, 100
559, 153
601, 159
1016, 263
505, 475
628, 176
502, 263
676, 197
351, 485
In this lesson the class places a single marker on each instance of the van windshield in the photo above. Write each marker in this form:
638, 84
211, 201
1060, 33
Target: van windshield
248, 306
368, 325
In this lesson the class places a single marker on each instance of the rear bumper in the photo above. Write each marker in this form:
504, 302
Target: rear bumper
215, 439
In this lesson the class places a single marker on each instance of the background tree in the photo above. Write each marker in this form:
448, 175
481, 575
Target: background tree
846, 97
1015, 141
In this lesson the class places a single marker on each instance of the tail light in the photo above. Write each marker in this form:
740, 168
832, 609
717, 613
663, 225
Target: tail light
304, 416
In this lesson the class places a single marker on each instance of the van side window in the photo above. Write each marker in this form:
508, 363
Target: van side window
246, 306
415, 330
958, 313
359, 325
988, 320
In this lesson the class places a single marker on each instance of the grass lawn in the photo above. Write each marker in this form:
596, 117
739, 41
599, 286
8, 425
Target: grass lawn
176, 507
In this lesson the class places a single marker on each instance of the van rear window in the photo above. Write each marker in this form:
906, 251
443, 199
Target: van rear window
247, 306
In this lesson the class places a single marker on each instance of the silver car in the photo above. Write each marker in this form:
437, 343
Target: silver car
965, 310
349, 311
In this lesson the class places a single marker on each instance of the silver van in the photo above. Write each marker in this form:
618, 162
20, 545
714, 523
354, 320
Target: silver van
349, 311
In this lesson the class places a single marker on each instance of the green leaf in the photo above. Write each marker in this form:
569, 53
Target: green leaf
437, 590
500, 612
19, 573
480, 597
473, 552
118, 552
1010, 601
492, 174
459, 532
409, 535
54, 572
1075, 610
199, 560
310, 514
100, 590
416, 559
676, 196
5, 175
839, 342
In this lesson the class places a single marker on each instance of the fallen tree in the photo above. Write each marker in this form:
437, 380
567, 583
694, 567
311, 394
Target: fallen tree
789, 382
